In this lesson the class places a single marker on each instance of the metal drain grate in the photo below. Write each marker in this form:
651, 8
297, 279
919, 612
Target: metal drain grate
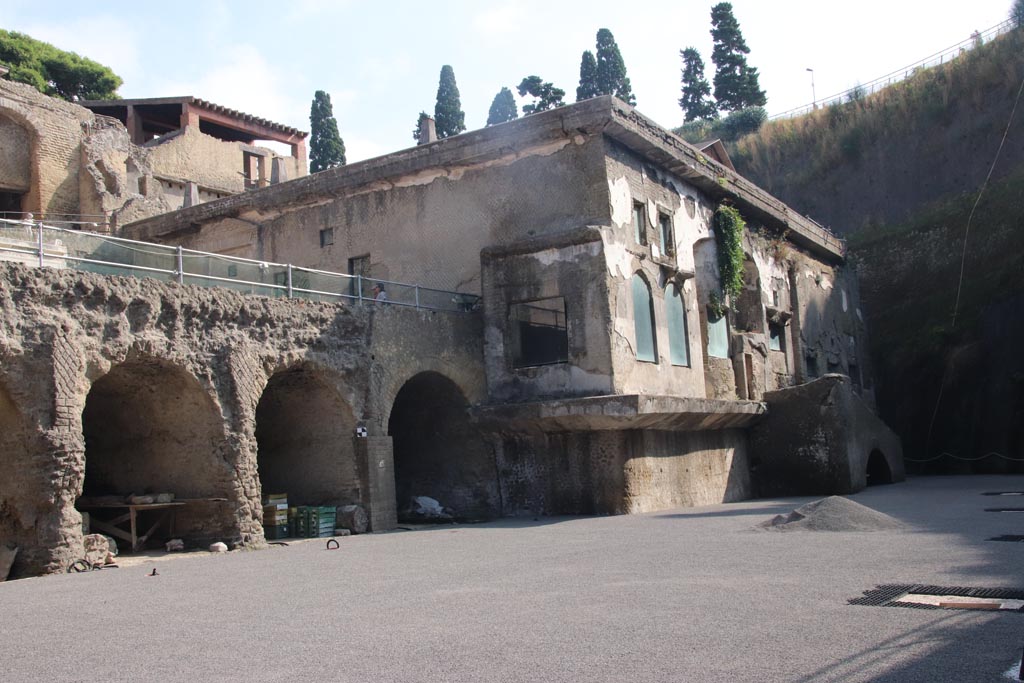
1004, 493
889, 595
1004, 509
1008, 537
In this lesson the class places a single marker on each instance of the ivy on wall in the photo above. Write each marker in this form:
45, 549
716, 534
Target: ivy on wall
729, 226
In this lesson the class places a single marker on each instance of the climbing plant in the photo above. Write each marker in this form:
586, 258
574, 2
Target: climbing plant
729, 226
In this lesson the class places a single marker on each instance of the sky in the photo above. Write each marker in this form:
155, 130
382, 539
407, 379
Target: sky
380, 61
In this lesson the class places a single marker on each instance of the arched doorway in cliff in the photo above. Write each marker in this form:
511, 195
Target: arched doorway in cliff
439, 453
878, 471
152, 432
304, 435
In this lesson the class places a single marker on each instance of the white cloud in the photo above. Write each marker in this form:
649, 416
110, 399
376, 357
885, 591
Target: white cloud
358, 148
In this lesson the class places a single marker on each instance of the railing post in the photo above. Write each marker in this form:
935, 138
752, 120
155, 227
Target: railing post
359, 287
181, 265
289, 281
41, 253
417, 296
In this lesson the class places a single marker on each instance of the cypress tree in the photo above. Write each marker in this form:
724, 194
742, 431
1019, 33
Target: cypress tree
588, 77
448, 114
503, 108
548, 96
695, 101
611, 70
736, 83
326, 148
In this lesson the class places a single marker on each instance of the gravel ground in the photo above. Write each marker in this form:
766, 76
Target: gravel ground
696, 594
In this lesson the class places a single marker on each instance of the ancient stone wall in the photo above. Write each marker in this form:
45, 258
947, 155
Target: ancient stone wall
114, 385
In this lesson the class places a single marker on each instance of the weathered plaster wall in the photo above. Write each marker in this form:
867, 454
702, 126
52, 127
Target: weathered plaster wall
429, 228
630, 180
576, 272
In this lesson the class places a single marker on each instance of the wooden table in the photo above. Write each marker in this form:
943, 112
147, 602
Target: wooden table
114, 528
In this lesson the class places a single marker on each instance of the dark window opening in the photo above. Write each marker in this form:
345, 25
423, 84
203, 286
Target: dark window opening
812, 366
640, 222
326, 237
775, 336
668, 238
358, 266
540, 335
878, 471
10, 205
253, 170
854, 372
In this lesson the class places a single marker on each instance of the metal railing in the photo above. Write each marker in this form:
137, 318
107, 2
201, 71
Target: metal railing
864, 89
41, 245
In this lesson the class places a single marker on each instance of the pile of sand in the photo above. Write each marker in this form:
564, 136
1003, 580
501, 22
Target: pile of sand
834, 513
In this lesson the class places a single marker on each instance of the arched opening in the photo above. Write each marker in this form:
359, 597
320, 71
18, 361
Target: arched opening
439, 453
151, 431
643, 320
749, 307
15, 166
304, 432
675, 318
878, 472
12, 458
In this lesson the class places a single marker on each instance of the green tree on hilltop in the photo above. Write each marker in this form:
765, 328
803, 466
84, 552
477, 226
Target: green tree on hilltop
736, 83
503, 108
548, 96
696, 101
55, 72
611, 69
448, 114
326, 148
588, 77
1017, 13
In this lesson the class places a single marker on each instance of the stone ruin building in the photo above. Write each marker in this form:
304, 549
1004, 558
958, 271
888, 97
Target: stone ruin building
585, 364
108, 163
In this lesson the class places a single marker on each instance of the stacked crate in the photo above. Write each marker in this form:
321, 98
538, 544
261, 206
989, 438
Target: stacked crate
275, 516
315, 522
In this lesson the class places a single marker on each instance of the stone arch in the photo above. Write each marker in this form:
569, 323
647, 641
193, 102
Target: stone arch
878, 470
19, 163
150, 427
304, 436
439, 452
749, 306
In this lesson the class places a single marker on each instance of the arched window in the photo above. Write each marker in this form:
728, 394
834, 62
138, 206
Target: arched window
675, 318
643, 321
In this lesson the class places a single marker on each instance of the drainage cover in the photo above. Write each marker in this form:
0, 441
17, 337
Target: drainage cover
1004, 493
920, 596
1008, 537
1004, 509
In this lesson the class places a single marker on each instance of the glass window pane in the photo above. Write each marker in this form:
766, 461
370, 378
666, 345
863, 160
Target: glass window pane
643, 321
675, 317
718, 336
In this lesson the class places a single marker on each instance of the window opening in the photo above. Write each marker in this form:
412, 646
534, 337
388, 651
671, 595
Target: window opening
326, 237
358, 266
640, 222
540, 335
668, 238
812, 366
675, 316
643, 321
718, 335
775, 336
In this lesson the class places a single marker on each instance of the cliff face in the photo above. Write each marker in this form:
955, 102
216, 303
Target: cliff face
898, 174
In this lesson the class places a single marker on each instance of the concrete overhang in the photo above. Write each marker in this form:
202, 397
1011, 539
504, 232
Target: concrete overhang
605, 115
621, 412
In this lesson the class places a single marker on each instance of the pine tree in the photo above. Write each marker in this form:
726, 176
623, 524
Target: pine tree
696, 101
611, 70
503, 108
736, 84
548, 96
448, 114
326, 148
588, 77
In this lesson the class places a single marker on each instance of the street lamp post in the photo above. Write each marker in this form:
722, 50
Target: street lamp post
814, 95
